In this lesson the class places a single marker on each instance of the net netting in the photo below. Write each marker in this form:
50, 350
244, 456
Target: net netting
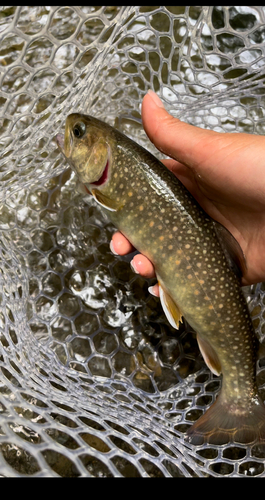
93, 380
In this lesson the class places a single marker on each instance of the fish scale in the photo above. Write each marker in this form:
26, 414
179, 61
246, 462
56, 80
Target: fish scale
194, 259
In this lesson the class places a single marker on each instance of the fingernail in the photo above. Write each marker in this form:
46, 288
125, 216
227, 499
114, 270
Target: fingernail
133, 268
151, 291
155, 98
112, 249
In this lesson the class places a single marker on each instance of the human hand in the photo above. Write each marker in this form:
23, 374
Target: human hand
224, 172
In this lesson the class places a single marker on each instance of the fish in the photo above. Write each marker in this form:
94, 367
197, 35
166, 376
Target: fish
198, 264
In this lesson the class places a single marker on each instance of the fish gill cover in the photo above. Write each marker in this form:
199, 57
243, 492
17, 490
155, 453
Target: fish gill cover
93, 379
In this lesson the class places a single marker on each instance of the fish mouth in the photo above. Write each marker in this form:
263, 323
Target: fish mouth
59, 138
60, 141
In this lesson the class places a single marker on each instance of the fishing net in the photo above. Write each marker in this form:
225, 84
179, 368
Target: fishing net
93, 380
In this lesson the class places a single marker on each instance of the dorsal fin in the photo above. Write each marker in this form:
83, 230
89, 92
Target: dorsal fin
232, 249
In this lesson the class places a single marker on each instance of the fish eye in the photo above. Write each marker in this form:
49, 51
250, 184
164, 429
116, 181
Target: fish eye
79, 130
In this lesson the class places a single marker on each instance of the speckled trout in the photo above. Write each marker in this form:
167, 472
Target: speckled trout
196, 262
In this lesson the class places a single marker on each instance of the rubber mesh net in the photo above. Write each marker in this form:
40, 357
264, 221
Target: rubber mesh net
93, 380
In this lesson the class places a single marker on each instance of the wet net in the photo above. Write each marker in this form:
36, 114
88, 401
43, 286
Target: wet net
93, 380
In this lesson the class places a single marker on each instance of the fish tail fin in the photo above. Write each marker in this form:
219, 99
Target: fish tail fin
224, 422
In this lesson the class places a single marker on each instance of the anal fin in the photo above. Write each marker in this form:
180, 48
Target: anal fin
170, 308
209, 355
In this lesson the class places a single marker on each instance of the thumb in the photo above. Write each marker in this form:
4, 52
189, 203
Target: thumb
190, 145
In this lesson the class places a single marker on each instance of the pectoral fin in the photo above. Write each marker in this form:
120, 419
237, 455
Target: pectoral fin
170, 309
105, 202
209, 355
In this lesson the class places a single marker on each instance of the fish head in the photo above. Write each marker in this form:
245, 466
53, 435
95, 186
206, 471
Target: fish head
87, 146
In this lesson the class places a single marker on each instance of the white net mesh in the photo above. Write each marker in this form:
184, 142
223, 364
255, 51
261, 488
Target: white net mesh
93, 380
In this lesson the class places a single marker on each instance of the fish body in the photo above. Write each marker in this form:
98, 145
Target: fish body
195, 263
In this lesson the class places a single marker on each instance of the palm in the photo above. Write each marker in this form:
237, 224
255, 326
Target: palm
235, 208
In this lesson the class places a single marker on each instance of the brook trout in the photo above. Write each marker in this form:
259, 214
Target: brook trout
196, 262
